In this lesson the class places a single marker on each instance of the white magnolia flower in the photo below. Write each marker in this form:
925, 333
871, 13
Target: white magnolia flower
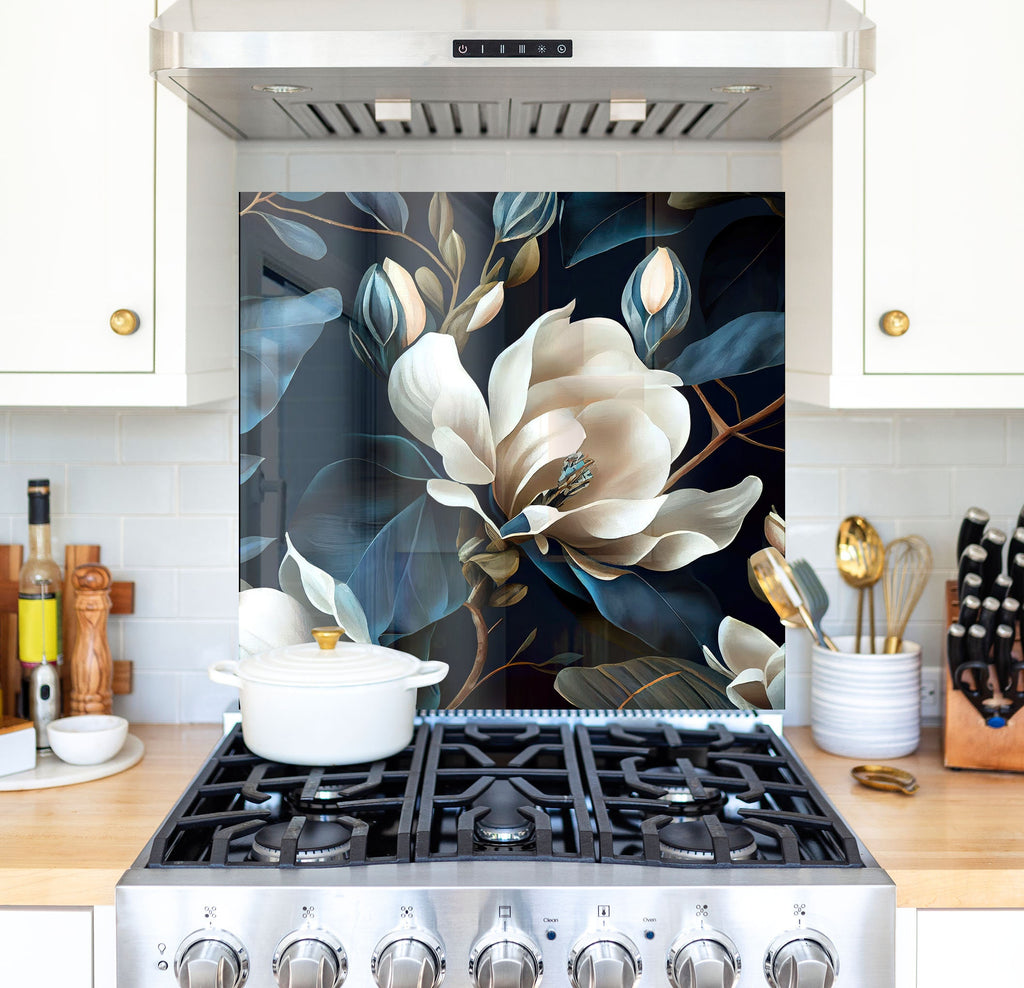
756, 663
267, 619
576, 438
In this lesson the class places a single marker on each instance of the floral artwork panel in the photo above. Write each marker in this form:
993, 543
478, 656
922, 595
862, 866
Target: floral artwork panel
535, 435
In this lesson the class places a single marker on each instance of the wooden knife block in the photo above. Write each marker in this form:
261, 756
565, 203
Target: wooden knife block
967, 741
122, 596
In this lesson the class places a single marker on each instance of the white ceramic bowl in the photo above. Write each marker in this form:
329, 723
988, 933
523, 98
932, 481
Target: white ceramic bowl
88, 739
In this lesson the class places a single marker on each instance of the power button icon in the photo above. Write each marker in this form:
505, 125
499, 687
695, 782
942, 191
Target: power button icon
463, 49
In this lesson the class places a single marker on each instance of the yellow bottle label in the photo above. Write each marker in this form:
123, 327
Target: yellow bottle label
39, 629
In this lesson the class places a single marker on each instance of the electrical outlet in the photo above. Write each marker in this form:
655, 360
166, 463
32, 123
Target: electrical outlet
931, 694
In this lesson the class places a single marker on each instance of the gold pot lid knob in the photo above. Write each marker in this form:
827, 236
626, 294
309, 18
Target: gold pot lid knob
124, 322
895, 322
327, 638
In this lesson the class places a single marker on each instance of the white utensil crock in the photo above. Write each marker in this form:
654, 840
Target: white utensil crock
303, 705
866, 706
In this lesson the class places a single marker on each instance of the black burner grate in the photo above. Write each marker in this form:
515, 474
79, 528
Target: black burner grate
621, 792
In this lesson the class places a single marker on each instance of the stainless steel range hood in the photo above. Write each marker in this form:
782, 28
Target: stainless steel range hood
406, 69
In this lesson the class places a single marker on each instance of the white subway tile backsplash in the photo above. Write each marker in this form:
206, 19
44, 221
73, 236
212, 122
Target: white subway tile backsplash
897, 493
209, 490
579, 169
14, 478
179, 541
1015, 439
649, 170
363, 172
78, 436
755, 172
203, 701
261, 170
101, 530
118, 489
999, 490
470, 171
963, 439
811, 493
179, 645
175, 437
819, 440
154, 699
207, 593
156, 592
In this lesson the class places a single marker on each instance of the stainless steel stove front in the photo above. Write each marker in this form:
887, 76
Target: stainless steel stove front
482, 923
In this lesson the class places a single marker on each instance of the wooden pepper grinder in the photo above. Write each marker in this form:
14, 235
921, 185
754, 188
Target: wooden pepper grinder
92, 669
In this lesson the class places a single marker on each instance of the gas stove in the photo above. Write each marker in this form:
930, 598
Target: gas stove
495, 851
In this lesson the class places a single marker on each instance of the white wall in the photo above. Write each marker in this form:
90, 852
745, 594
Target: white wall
158, 490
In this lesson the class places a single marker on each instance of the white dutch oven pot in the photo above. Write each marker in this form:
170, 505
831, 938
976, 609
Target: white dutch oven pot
315, 704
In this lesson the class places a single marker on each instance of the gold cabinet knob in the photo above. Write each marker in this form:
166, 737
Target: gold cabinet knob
124, 322
895, 323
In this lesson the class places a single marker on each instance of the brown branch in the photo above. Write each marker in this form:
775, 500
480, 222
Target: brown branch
257, 199
668, 675
473, 606
367, 229
723, 432
753, 442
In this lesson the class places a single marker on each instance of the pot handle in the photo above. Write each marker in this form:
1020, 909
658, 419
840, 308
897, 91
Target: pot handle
225, 673
429, 673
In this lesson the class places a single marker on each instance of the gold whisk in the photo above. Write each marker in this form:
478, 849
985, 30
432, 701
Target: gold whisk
908, 564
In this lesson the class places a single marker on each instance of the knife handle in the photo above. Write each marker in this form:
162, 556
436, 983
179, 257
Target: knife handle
1020, 518
1017, 575
1004, 645
993, 542
977, 660
972, 560
1009, 612
970, 608
989, 618
1001, 587
1016, 545
955, 650
971, 528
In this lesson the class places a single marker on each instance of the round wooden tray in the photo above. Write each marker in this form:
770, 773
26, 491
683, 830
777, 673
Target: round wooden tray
50, 771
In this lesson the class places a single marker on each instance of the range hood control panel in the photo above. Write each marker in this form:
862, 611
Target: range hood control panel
512, 48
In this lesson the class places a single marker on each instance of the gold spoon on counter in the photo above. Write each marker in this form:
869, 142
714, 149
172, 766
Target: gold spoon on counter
860, 559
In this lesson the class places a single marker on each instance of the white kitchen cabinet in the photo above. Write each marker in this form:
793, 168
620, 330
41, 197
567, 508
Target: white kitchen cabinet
98, 216
901, 199
969, 947
46, 946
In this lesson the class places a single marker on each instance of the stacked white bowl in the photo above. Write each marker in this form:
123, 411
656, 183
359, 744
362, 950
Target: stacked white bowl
863, 705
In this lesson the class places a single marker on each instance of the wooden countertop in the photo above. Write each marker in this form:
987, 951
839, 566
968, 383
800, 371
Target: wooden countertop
958, 843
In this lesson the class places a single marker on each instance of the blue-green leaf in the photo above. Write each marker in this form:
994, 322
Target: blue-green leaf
410, 575
744, 270
590, 223
248, 465
749, 343
387, 208
275, 334
518, 215
251, 546
300, 196
651, 682
299, 237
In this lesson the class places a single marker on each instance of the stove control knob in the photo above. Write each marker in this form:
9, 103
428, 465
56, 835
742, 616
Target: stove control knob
801, 959
211, 959
310, 959
606, 960
505, 961
706, 960
408, 959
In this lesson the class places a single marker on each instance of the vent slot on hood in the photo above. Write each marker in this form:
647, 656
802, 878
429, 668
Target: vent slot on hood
354, 119
434, 119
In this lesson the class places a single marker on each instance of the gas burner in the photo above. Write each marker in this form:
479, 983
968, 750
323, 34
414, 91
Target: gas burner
691, 841
681, 801
318, 843
502, 824
326, 803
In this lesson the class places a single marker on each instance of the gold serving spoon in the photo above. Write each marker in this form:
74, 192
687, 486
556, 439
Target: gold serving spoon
860, 559
775, 579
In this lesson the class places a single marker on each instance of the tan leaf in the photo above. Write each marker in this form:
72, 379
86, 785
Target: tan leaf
527, 642
499, 566
506, 596
492, 275
430, 287
525, 265
453, 250
469, 547
439, 217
